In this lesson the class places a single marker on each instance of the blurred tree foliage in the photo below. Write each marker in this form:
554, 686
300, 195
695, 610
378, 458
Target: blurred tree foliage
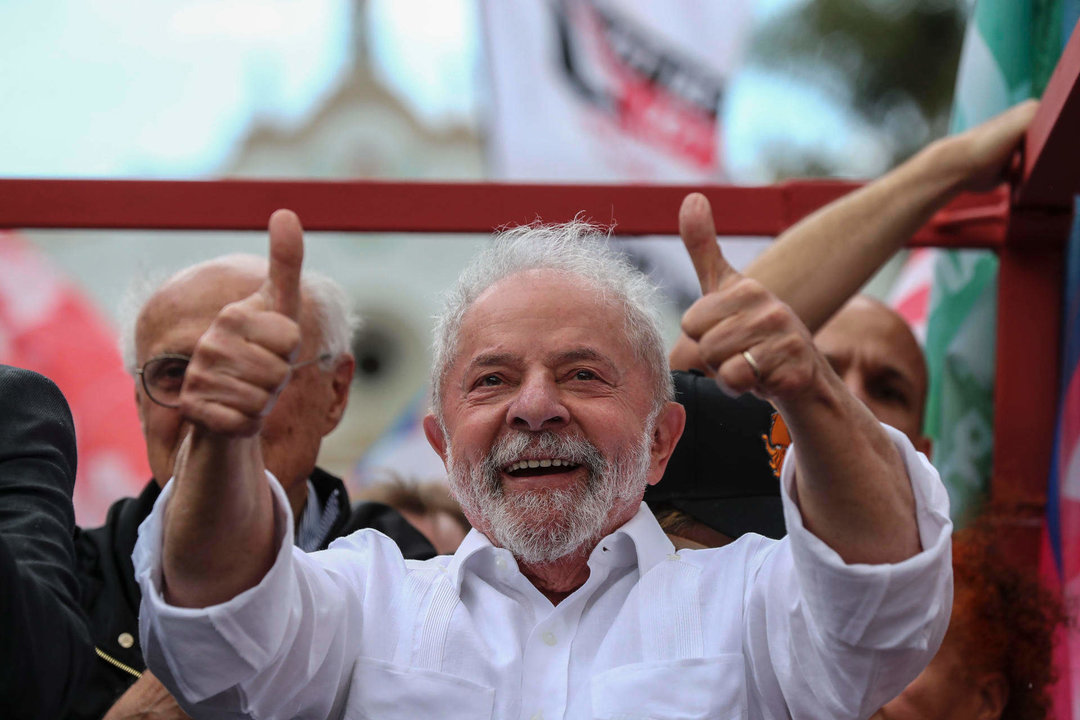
891, 62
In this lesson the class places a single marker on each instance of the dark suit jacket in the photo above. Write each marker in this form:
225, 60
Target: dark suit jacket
45, 647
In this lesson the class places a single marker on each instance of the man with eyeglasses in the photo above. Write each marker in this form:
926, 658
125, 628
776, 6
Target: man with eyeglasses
157, 347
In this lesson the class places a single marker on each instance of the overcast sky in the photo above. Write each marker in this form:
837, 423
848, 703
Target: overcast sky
165, 88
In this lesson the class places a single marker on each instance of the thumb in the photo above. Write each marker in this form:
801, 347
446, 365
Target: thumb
699, 236
282, 285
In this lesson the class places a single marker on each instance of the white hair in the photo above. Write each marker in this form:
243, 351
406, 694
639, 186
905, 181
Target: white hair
335, 318
334, 314
575, 248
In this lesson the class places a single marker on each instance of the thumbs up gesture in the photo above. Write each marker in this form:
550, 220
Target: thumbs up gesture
752, 340
242, 362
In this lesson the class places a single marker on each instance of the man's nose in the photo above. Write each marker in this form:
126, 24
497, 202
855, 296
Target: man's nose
537, 406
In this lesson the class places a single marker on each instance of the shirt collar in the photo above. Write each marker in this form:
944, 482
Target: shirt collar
316, 520
640, 539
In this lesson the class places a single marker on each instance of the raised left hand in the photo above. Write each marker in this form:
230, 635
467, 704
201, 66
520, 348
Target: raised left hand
752, 340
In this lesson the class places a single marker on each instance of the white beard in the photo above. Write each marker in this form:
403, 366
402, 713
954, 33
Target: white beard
541, 526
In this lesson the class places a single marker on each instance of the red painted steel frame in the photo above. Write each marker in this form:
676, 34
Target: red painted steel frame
1030, 299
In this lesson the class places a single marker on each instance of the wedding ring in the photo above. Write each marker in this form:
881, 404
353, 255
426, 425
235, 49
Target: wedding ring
752, 363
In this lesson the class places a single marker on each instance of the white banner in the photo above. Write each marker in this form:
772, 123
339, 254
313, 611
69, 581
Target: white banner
616, 91
612, 90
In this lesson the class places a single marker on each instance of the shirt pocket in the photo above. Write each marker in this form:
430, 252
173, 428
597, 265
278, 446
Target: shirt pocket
385, 691
688, 689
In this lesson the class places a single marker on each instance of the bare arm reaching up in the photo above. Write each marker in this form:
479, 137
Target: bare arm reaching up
822, 260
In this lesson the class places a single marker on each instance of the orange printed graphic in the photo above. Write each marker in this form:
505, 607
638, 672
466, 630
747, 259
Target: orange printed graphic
776, 443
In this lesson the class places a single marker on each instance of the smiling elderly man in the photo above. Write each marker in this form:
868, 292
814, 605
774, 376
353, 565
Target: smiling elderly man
552, 410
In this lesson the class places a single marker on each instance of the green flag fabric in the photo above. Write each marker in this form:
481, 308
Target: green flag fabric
1010, 49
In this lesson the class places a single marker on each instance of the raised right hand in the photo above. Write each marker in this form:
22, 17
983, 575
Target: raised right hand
987, 149
242, 362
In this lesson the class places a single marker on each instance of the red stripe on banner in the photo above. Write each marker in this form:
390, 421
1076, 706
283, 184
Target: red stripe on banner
914, 307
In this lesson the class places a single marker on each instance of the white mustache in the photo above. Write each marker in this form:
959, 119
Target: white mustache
514, 446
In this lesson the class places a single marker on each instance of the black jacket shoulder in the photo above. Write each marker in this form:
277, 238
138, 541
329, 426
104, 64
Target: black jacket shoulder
44, 644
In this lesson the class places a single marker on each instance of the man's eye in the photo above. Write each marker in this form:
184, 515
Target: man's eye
489, 381
584, 375
168, 373
888, 393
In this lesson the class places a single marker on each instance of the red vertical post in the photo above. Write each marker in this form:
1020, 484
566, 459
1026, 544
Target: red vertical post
1030, 285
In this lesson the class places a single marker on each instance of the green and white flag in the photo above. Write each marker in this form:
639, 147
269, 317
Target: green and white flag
1010, 48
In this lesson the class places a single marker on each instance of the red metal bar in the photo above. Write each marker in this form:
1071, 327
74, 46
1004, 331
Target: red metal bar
1030, 287
372, 206
1030, 297
1052, 145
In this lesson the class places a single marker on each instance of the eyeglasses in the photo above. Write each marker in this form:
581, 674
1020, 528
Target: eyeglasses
163, 376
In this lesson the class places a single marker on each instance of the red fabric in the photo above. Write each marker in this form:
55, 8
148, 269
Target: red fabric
49, 326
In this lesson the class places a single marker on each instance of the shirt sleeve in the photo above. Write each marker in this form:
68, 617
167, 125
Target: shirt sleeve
852, 636
277, 649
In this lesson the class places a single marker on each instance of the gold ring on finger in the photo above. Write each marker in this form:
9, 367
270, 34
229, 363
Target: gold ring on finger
753, 364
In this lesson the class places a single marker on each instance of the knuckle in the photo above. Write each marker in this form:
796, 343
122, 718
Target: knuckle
291, 334
776, 316
747, 290
793, 345
233, 315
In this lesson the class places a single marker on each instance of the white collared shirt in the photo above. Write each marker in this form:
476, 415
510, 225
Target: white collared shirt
756, 629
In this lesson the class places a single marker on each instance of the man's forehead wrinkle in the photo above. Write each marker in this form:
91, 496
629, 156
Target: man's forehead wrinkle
493, 359
580, 354
553, 358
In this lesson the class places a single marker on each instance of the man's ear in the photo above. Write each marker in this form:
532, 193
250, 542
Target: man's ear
669, 428
435, 436
924, 445
138, 406
993, 689
341, 376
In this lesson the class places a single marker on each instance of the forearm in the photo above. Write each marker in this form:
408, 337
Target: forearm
851, 485
219, 534
853, 237
820, 262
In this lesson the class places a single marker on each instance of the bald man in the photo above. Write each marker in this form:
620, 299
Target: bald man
157, 346
874, 352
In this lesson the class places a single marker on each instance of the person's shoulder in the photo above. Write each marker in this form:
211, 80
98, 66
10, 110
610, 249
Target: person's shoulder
744, 556
35, 420
18, 384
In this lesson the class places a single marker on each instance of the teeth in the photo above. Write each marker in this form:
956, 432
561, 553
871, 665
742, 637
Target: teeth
529, 464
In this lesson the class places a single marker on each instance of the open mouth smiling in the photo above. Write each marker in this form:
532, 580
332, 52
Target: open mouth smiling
539, 467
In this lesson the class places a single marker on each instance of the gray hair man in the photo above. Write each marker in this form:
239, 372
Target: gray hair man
552, 412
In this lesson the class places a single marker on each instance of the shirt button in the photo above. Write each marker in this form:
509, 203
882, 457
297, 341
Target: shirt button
549, 638
673, 556
126, 640
537, 716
